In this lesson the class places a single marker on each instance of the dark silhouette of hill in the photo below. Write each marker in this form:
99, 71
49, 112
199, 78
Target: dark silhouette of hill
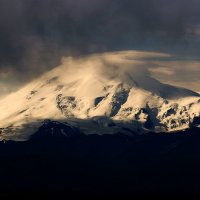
59, 164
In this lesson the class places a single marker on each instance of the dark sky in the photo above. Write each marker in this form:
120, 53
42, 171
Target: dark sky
34, 34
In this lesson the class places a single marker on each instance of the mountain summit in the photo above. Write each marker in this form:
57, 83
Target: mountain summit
101, 93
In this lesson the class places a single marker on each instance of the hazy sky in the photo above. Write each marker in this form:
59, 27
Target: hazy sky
35, 34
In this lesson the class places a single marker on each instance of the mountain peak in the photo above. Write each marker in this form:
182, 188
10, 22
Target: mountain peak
96, 91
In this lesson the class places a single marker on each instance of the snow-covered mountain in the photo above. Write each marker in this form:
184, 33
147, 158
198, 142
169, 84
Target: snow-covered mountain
104, 93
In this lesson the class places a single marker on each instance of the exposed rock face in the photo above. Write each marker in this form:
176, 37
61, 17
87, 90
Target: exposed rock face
167, 115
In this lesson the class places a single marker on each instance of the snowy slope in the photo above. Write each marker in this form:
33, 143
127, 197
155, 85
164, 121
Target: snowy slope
99, 93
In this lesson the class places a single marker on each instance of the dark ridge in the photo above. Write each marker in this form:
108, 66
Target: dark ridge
56, 129
53, 163
196, 121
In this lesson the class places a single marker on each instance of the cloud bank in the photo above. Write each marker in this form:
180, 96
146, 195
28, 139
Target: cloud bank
35, 34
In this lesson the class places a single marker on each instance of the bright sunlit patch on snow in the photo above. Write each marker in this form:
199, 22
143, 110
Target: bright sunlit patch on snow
100, 88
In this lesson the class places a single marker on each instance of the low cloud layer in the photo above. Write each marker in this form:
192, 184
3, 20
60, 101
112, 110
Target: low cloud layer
164, 67
184, 73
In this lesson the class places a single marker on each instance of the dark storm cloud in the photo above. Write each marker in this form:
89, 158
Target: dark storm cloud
34, 34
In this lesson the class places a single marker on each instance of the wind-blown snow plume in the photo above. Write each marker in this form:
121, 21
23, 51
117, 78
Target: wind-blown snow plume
111, 65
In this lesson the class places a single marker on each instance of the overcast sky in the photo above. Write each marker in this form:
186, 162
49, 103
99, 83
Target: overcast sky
35, 34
